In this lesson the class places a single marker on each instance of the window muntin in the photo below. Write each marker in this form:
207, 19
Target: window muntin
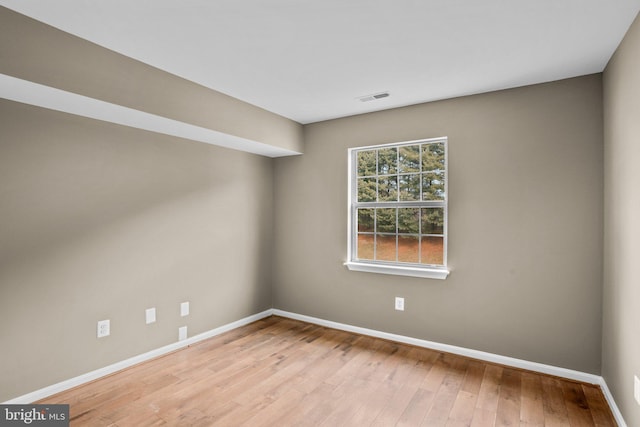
398, 200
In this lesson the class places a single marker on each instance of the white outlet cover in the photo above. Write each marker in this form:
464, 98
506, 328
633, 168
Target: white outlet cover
184, 309
150, 315
182, 333
636, 388
399, 303
104, 328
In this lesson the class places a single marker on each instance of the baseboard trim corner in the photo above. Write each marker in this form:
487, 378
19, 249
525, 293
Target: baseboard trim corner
475, 354
462, 351
118, 366
612, 403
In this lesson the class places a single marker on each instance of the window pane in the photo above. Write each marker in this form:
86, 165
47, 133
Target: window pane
432, 221
385, 247
365, 246
366, 220
408, 249
433, 157
409, 220
409, 187
388, 189
409, 157
386, 220
432, 250
398, 203
367, 163
387, 161
366, 189
433, 186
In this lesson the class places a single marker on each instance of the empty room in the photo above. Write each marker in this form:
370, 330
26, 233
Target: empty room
287, 213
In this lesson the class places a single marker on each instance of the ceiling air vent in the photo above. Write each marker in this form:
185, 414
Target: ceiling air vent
373, 97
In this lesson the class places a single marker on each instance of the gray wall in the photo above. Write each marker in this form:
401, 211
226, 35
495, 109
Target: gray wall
621, 330
103, 221
525, 221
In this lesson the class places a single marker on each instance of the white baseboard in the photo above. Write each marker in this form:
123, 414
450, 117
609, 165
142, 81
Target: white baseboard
475, 354
98, 373
612, 403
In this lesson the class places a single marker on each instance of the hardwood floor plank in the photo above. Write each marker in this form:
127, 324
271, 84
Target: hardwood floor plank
313, 409
284, 372
509, 401
274, 409
463, 409
489, 393
555, 410
464, 406
384, 374
473, 378
406, 381
417, 409
218, 411
483, 418
531, 410
368, 410
577, 407
344, 399
446, 395
366, 347
600, 411
278, 377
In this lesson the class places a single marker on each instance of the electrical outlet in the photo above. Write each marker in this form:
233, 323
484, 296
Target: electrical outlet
399, 303
104, 328
184, 309
636, 388
182, 333
150, 315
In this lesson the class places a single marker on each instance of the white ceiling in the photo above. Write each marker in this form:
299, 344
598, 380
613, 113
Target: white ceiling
311, 60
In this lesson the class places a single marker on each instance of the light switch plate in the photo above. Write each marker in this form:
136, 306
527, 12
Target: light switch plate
636, 388
150, 315
399, 303
182, 333
184, 309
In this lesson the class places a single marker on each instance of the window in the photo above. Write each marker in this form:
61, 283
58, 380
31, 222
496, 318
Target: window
398, 208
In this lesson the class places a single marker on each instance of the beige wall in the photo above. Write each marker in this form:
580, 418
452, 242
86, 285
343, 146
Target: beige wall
621, 330
33, 51
103, 221
525, 221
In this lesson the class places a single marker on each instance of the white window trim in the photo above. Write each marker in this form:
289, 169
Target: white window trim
398, 270
430, 272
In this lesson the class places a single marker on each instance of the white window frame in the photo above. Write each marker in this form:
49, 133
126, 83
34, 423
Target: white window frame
390, 267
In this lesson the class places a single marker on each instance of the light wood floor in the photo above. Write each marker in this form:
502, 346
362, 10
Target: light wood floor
281, 372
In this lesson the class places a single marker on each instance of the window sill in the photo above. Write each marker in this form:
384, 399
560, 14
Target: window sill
428, 273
